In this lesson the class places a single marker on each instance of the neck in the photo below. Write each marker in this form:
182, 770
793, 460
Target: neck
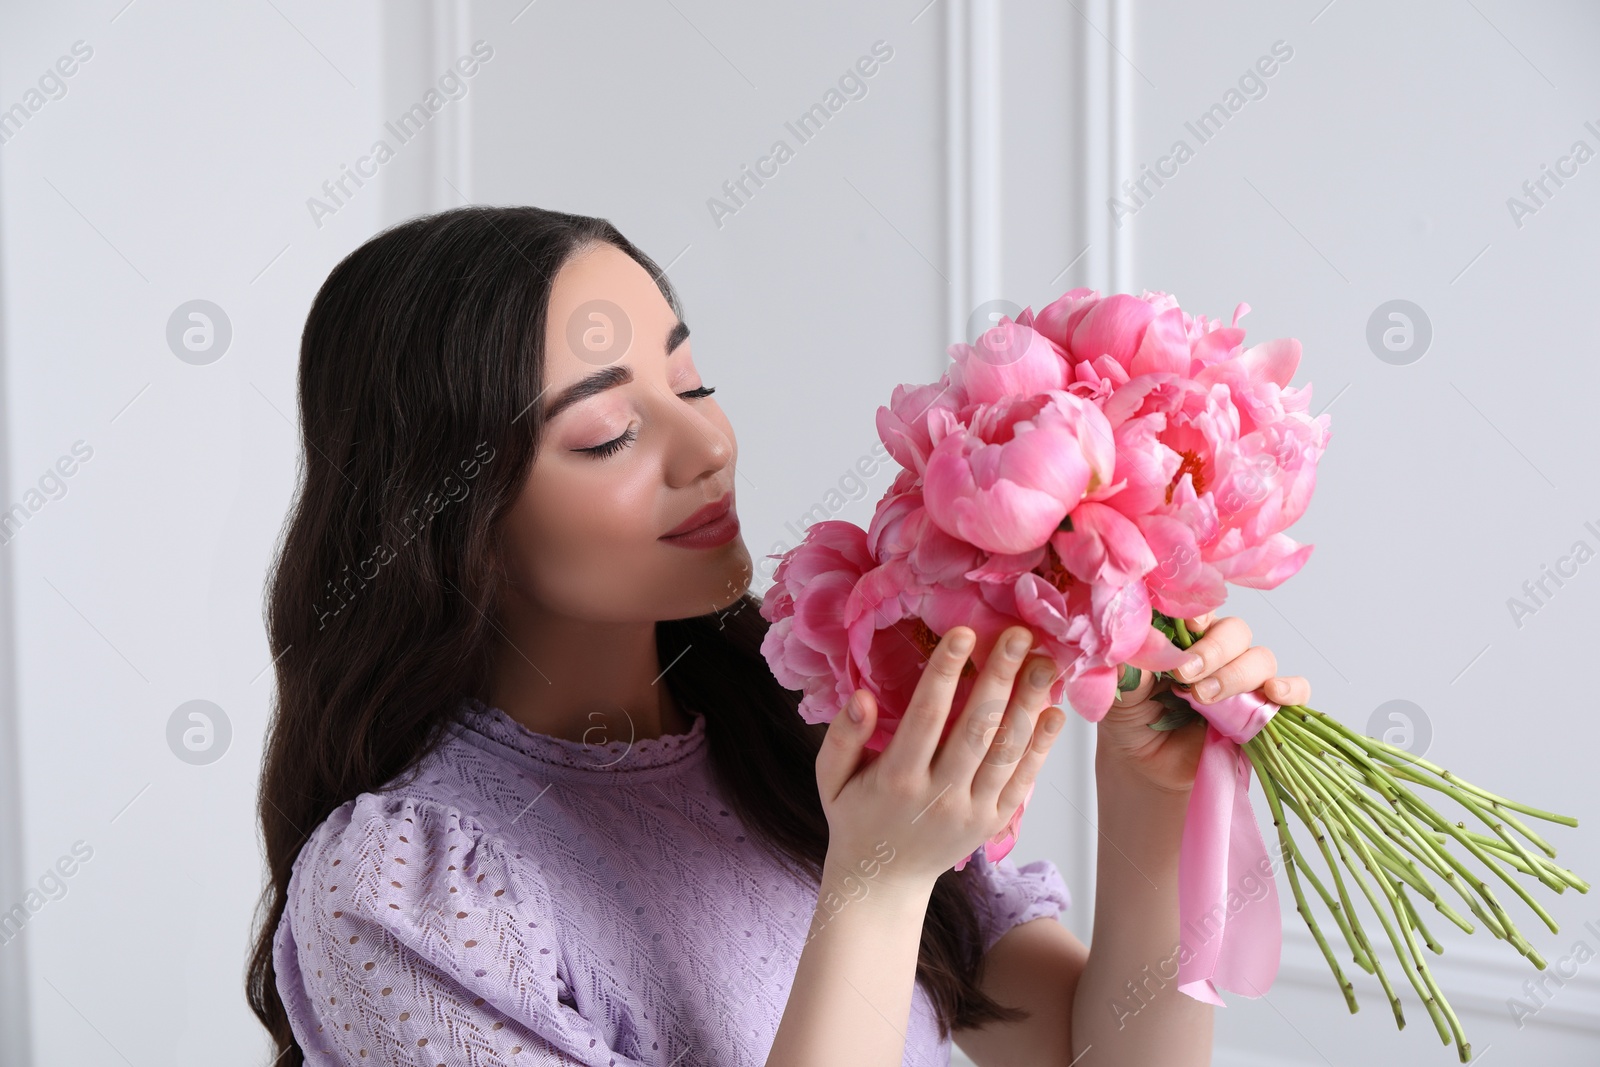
583, 681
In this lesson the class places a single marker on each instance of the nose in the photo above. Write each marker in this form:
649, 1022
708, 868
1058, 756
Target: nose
697, 445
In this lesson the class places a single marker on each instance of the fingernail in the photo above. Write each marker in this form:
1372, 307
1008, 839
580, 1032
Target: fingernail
1054, 723
855, 708
1041, 674
1207, 689
961, 643
1017, 645
1193, 664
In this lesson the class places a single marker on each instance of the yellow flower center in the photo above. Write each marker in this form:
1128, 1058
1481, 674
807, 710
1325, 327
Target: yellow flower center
1196, 469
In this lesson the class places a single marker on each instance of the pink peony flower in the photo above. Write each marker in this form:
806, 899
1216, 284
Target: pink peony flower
1076, 471
903, 424
1005, 482
805, 645
901, 529
1010, 360
893, 625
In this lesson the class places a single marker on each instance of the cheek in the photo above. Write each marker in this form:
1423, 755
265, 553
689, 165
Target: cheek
580, 532
609, 506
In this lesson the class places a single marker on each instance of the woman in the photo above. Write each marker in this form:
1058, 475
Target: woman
531, 794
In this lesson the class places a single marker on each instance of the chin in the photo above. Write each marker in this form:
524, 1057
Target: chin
731, 576
738, 573
721, 578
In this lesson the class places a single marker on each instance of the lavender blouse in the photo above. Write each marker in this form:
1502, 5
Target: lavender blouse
533, 900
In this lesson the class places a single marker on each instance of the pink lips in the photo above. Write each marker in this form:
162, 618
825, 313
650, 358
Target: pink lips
712, 525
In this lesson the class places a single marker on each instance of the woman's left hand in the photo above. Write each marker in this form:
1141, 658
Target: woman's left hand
1229, 664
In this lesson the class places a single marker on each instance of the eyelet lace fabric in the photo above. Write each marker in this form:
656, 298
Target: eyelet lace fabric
527, 899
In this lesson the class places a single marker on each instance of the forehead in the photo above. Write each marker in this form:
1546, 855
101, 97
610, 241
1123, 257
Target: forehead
603, 303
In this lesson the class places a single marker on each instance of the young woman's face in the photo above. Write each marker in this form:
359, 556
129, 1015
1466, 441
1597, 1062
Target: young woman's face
636, 453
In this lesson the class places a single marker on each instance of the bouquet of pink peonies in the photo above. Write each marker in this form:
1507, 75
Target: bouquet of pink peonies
1098, 472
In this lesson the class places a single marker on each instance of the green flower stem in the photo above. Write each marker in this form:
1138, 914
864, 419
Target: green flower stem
1423, 850
1400, 770
1537, 863
1423, 845
1291, 854
1401, 754
1478, 806
1413, 802
1343, 910
1507, 848
1500, 923
1375, 807
1358, 954
1387, 853
1411, 921
1407, 951
1359, 798
1287, 774
1460, 877
1313, 772
1488, 861
1416, 919
1405, 947
1339, 908
1406, 802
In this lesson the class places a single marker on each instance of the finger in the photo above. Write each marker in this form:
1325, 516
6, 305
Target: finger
842, 745
995, 753
986, 708
1288, 691
1140, 714
1226, 638
1200, 622
1139, 693
1243, 674
1044, 735
917, 734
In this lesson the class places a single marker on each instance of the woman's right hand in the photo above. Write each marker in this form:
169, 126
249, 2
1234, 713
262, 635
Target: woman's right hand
919, 807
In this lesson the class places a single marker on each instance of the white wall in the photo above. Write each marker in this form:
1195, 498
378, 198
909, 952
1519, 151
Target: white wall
176, 167
977, 166
1377, 166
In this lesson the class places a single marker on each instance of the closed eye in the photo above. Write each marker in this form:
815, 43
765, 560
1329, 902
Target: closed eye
617, 444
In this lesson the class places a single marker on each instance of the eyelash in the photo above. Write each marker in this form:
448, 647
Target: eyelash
617, 444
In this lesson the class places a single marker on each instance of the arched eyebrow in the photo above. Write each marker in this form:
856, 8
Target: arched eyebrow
609, 377
676, 336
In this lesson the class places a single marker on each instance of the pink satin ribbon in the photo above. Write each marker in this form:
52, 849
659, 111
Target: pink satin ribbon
1228, 919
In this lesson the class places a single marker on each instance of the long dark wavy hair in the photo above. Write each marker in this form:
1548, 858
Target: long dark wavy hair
424, 351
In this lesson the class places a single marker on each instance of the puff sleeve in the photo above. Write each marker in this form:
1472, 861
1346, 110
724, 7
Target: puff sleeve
413, 938
1008, 895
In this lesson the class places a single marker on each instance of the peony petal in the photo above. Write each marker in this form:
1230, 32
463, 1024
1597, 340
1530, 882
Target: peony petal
1274, 361
1158, 653
1165, 346
1217, 344
1113, 327
1103, 546
1009, 360
1266, 565
1061, 316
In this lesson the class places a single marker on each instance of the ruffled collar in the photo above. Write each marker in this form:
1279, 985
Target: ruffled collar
615, 755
